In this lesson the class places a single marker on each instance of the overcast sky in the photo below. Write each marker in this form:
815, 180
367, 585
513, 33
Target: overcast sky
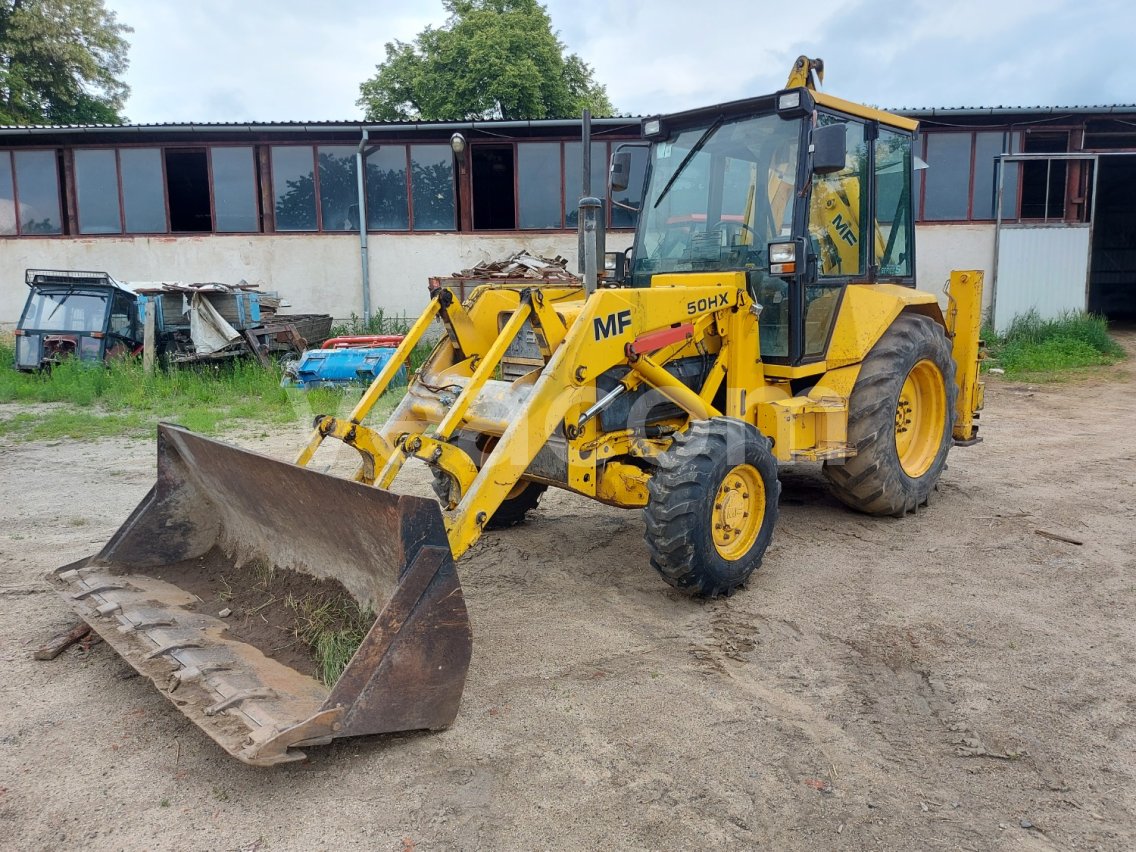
265, 60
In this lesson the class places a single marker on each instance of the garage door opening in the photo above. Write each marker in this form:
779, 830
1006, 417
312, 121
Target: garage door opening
1112, 276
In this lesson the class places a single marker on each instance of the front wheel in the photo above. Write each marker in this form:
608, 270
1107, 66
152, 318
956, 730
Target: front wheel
712, 507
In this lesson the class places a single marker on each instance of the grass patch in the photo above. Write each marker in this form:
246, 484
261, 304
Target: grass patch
119, 399
333, 628
76, 425
1033, 348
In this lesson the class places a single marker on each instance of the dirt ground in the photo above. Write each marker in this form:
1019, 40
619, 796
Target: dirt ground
952, 680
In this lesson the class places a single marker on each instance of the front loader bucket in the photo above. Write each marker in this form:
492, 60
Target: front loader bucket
224, 528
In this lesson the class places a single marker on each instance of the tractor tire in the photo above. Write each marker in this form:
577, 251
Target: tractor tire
901, 415
712, 507
513, 510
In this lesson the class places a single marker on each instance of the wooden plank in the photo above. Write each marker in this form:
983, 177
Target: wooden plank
61, 642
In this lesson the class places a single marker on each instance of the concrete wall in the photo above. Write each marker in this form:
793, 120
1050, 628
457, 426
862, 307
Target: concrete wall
320, 273
315, 273
941, 248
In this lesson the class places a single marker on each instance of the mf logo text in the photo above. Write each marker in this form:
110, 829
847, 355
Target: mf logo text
612, 325
844, 229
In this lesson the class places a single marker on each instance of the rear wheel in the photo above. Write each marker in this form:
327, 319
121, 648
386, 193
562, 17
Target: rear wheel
523, 497
900, 420
712, 507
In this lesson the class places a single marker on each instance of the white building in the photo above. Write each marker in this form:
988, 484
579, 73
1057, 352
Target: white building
1038, 197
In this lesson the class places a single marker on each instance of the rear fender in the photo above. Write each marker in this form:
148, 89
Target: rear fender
866, 312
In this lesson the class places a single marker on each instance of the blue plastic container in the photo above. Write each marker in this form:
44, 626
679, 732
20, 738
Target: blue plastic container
330, 367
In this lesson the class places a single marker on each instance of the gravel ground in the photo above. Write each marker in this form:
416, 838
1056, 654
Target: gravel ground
952, 680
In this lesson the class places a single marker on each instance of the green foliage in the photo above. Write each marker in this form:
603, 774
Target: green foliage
1036, 348
491, 59
119, 398
376, 323
61, 62
76, 425
380, 323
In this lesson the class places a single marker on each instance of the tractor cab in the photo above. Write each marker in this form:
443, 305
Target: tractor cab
804, 192
84, 315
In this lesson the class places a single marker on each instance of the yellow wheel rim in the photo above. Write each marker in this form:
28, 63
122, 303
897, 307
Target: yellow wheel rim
739, 509
920, 417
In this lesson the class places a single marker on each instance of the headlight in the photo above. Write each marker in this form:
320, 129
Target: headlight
782, 258
789, 100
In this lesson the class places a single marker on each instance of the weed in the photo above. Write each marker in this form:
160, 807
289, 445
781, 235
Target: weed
1037, 348
333, 628
165, 803
377, 323
220, 794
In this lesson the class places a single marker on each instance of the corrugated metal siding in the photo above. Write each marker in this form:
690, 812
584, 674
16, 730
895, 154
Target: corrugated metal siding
1044, 269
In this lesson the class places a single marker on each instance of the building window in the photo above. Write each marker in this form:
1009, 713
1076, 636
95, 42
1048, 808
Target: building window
947, 181
96, 191
387, 207
962, 176
432, 186
143, 195
294, 188
538, 185
35, 197
187, 184
234, 190
574, 177
494, 203
338, 188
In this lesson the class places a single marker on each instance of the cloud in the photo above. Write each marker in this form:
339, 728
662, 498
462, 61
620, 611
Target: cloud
262, 60
216, 60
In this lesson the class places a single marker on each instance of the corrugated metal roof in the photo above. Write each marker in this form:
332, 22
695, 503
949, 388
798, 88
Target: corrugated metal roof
358, 126
1103, 109
323, 125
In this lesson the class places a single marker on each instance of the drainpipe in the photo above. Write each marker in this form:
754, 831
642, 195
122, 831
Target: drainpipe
361, 169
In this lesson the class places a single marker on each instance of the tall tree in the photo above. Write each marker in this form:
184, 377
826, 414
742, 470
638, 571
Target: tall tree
491, 59
61, 62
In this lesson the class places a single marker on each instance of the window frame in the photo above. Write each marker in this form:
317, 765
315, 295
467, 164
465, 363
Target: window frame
1013, 144
264, 191
61, 197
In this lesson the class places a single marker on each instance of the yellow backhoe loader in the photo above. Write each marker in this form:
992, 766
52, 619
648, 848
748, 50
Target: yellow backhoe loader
766, 313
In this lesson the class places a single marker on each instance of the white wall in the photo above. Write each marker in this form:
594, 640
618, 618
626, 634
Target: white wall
320, 273
941, 248
315, 273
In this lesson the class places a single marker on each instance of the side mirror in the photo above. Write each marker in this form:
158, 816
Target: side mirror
829, 148
620, 177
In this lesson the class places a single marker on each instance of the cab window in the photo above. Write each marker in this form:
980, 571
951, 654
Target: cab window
122, 316
837, 209
894, 228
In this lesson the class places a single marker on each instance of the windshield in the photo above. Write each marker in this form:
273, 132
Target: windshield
65, 310
719, 207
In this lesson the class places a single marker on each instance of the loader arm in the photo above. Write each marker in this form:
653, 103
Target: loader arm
642, 329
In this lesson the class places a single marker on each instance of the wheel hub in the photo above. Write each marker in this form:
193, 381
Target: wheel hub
920, 418
739, 508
